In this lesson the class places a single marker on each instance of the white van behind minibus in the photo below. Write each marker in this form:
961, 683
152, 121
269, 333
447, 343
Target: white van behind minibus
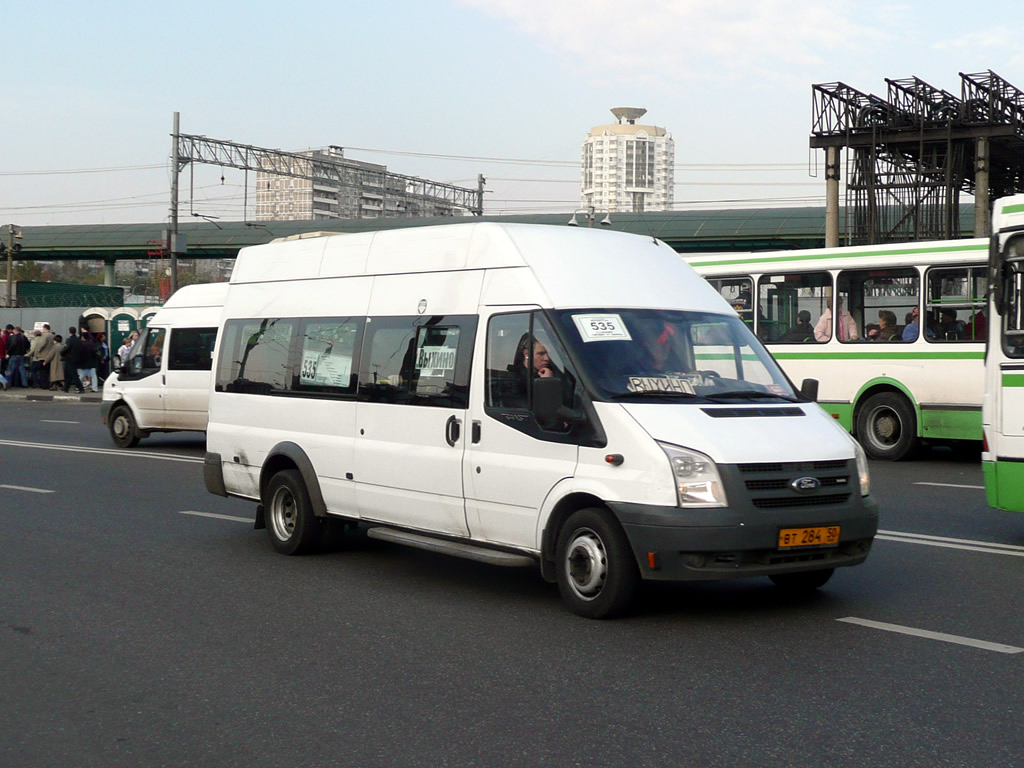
577, 400
164, 385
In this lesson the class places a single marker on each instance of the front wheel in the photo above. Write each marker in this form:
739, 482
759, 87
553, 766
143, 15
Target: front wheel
123, 430
291, 524
596, 572
887, 428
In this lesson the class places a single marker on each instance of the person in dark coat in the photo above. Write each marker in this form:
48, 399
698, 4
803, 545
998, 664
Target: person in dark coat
70, 357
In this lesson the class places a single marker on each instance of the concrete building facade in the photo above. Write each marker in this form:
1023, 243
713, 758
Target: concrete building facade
368, 192
628, 167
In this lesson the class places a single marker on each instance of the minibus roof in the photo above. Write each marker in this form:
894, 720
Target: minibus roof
573, 266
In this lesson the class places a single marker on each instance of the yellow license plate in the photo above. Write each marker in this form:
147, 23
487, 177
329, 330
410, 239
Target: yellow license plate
821, 536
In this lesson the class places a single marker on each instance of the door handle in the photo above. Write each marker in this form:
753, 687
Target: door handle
452, 430
476, 431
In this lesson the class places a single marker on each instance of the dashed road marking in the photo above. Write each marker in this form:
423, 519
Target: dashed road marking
233, 518
987, 547
928, 634
26, 488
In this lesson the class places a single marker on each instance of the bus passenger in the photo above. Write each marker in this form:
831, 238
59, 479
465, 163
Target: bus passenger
847, 325
803, 330
913, 327
887, 326
949, 326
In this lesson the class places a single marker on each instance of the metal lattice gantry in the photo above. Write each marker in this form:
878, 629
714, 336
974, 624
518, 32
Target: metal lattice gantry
338, 171
911, 154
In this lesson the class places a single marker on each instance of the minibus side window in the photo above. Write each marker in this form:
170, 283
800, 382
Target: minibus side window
327, 353
417, 360
146, 354
191, 349
254, 356
513, 363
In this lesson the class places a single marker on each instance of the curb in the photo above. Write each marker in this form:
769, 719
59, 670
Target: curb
92, 397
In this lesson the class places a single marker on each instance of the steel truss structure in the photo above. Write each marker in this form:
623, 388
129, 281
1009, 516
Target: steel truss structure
914, 152
338, 171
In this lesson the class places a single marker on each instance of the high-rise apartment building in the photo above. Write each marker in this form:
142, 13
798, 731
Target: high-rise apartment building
628, 167
335, 187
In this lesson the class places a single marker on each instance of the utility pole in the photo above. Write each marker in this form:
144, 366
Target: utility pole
172, 239
480, 181
12, 233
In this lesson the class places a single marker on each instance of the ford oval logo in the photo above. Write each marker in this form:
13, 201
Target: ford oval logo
805, 484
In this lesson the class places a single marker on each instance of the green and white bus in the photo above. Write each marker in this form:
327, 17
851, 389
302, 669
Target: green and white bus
902, 361
1002, 459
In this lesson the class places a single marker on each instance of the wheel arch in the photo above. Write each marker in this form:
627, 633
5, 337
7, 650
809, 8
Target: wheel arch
880, 385
288, 455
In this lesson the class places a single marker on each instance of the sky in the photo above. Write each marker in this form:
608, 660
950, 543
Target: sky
448, 89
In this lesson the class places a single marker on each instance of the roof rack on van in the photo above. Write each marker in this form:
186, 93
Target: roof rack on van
303, 236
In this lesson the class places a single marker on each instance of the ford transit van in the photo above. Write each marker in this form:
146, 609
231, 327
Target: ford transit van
576, 400
164, 385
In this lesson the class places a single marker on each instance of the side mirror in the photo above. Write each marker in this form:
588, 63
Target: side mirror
809, 389
547, 400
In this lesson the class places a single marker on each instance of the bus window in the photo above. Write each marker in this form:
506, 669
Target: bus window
1013, 316
955, 308
791, 305
738, 292
882, 302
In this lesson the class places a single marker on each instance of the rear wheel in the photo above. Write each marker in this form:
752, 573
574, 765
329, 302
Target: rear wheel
887, 428
596, 571
123, 430
291, 524
805, 581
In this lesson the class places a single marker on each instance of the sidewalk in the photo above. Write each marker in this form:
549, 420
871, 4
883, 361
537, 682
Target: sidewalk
45, 395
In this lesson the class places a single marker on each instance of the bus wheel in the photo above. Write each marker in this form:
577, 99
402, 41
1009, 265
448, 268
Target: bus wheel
804, 581
886, 427
291, 524
122, 427
596, 572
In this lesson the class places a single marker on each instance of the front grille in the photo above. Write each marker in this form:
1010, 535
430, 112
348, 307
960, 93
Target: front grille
769, 485
801, 501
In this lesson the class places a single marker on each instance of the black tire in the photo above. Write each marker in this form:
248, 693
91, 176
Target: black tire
804, 581
122, 427
288, 512
595, 568
887, 427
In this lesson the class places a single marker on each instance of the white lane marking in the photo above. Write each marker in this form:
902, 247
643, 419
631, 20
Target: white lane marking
954, 485
102, 451
26, 488
218, 517
927, 537
940, 541
983, 644
58, 421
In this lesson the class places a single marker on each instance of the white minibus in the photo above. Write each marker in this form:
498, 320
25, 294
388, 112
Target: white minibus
164, 385
576, 400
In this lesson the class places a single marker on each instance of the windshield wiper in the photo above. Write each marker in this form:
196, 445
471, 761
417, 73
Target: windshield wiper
748, 394
652, 393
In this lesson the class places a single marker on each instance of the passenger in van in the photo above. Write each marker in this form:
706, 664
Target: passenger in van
803, 330
847, 325
526, 363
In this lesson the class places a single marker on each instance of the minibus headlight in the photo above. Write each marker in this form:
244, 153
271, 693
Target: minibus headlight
696, 476
862, 469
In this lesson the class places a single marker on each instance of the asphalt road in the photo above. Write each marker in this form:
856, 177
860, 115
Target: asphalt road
143, 622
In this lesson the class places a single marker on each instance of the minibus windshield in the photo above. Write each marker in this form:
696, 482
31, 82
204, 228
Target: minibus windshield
655, 354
